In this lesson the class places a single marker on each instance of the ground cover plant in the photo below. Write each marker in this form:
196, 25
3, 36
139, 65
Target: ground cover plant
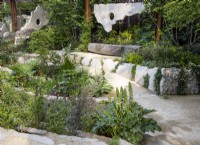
74, 107
123, 117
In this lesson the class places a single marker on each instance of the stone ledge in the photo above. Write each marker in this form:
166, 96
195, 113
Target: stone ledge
112, 50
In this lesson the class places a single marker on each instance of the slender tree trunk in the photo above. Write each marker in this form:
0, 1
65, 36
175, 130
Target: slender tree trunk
87, 11
14, 15
158, 27
1, 1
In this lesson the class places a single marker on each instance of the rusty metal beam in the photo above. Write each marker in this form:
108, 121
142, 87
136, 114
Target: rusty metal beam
87, 11
158, 27
1, 1
14, 15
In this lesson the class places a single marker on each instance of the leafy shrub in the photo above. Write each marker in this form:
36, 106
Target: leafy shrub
41, 41
146, 81
6, 50
196, 70
125, 38
114, 141
23, 73
57, 116
157, 79
14, 108
85, 37
166, 55
37, 110
134, 58
124, 118
181, 82
104, 87
71, 83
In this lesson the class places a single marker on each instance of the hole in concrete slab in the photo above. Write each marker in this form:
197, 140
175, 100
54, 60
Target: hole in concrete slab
38, 21
112, 16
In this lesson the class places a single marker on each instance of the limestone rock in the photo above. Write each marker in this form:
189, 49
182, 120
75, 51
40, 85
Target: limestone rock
125, 70
130, 48
26, 58
191, 83
111, 49
169, 81
151, 73
106, 49
5, 69
86, 61
109, 65
32, 130
6, 35
141, 71
96, 63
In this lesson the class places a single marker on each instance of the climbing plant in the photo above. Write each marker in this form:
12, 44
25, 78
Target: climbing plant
181, 82
157, 79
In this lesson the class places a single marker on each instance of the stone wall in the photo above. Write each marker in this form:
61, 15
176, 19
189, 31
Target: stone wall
169, 82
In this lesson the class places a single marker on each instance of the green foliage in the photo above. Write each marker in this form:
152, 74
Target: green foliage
104, 87
56, 116
134, 58
179, 26
23, 73
133, 72
37, 110
4, 11
130, 91
196, 70
71, 83
85, 37
116, 67
68, 22
10, 118
157, 79
174, 12
125, 37
114, 141
166, 55
6, 50
181, 82
117, 119
14, 108
146, 81
42, 41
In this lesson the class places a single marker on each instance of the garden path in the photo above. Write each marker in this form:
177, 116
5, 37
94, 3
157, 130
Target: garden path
178, 116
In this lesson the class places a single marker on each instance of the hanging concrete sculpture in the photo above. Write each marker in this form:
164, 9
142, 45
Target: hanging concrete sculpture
37, 20
103, 13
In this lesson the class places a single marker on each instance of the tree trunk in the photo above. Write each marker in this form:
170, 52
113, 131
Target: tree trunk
158, 26
87, 11
14, 15
1, 1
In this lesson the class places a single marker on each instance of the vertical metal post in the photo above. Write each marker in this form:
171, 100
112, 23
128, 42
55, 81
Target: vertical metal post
14, 15
1, 1
158, 27
87, 11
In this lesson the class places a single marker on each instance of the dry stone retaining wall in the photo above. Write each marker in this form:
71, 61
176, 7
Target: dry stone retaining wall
168, 84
